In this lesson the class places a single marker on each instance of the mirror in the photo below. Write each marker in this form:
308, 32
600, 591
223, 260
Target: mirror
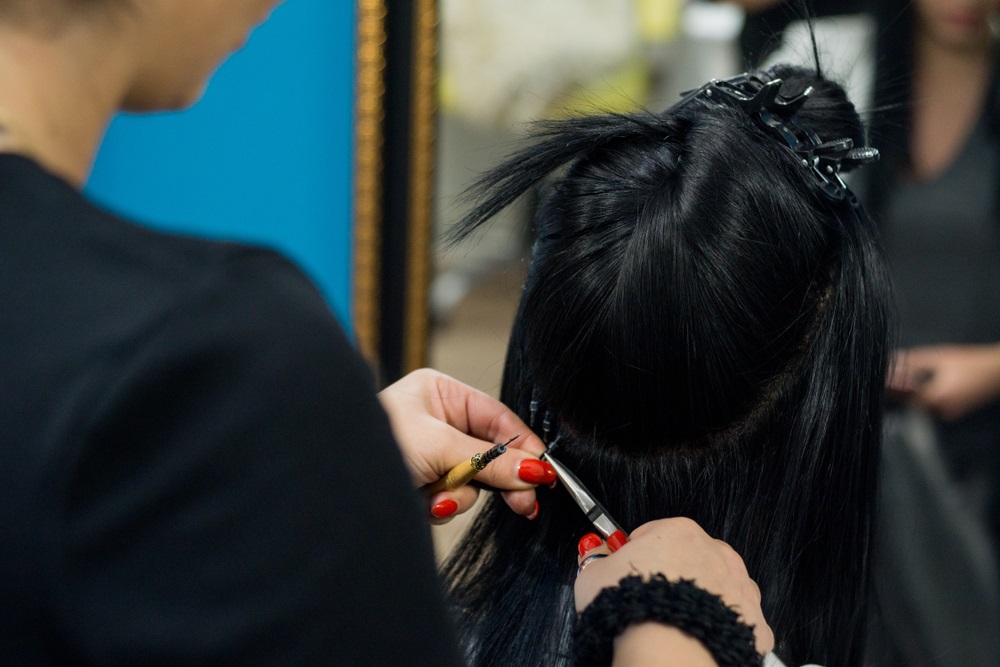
396, 47
504, 63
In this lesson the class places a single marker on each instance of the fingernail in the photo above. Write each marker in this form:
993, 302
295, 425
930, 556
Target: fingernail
534, 471
589, 542
617, 540
444, 508
534, 515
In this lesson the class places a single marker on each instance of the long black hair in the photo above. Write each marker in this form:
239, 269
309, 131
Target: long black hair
709, 336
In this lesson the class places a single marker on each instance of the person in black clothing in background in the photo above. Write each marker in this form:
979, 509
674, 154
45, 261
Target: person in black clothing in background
193, 464
936, 103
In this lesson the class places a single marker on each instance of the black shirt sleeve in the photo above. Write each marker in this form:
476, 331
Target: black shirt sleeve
237, 496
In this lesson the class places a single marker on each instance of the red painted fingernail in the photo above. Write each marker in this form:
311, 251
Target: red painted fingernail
589, 542
617, 540
534, 471
534, 514
444, 508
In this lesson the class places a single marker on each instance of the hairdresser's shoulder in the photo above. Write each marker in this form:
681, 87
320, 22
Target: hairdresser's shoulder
73, 265
93, 300
233, 296
233, 299
256, 307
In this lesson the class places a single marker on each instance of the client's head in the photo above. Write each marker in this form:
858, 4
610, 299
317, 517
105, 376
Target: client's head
705, 323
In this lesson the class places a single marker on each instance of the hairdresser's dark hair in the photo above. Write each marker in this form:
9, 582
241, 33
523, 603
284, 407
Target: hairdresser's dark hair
709, 334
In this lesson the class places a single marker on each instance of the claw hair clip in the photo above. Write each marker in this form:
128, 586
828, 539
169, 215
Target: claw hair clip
776, 114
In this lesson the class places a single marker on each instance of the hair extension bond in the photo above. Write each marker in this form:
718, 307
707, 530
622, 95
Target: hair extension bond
708, 329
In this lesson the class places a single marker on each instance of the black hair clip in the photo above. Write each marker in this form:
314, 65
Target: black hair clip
827, 160
775, 114
749, 93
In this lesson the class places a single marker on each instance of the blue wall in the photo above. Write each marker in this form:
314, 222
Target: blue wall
264, 157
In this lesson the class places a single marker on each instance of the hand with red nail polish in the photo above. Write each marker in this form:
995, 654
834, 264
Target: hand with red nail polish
440, 422
677, 548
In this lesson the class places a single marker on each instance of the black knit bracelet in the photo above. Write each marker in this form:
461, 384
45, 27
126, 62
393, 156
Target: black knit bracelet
680, 604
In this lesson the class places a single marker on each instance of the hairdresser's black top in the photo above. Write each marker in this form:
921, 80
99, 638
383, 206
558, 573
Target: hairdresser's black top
193, 466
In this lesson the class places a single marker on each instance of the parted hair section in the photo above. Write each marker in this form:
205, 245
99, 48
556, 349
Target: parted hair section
708, 335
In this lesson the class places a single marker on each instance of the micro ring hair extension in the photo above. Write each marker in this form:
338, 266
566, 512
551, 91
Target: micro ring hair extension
710, 336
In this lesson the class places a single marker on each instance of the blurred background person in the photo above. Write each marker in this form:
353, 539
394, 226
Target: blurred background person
929, 67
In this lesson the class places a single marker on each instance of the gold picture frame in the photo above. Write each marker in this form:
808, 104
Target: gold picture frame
394, 142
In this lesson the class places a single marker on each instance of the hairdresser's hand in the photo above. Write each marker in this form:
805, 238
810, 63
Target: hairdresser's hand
440, 422
677, 548
949, 380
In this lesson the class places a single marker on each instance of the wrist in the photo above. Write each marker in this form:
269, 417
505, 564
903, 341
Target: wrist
657, 645
682, 605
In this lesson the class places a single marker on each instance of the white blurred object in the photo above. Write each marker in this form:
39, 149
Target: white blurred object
504, 61
708, 48
713, 20
846, 53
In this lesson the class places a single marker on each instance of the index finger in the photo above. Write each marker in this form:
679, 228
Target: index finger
482, 416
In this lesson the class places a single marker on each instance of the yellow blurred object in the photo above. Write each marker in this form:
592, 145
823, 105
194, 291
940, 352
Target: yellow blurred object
506, 62
447, 91
621, 91
658, 20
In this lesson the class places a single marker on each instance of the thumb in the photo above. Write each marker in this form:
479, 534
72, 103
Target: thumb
589, 548
514, 470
